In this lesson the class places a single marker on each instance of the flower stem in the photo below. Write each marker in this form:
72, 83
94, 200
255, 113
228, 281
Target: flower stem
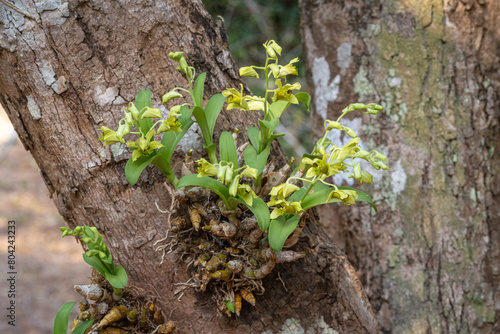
313, 182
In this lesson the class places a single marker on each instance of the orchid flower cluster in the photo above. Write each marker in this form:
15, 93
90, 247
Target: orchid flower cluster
145, 144
239, 181
326, 159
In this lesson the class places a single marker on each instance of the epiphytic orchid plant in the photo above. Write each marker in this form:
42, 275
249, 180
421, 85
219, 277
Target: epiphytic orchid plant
237, 175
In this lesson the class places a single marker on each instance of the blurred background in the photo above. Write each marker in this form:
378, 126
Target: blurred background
48, 267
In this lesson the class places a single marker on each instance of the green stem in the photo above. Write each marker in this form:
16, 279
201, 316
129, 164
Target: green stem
329, 184
322, 140
264, 132
232, 204
211, 150
183, 89
313, 182
117, 291
257, 182
166, 169
298, 178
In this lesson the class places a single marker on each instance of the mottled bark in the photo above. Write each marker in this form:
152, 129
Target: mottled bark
429, 260
71, 70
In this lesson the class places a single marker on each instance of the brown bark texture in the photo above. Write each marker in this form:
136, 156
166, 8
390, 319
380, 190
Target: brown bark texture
69, 68
429, 259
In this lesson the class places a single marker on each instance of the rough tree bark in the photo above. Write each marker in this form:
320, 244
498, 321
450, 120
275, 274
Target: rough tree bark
70, 67
429, 260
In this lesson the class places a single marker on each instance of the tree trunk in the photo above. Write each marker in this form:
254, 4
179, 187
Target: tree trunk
429, 259
70, 68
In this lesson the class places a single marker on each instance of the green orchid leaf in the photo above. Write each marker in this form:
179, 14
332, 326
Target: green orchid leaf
133, 169
108, 259
304, 98
271, 125
254, 136
95, 263
205, 182
320, 196
82, 326
143, 99
198, 90
259, 209
93, 246
199, 115
211, 146
280, 229
229, 305
276, 135
62, 318
227, 149
296, 196
277, 108
254, 160
89, 232
212, 111
170, 139
118, 279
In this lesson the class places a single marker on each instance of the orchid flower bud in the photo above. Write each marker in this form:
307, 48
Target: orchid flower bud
248, 71
225, 174
151, 113
132, 108
176, 55
169, 96
330, 125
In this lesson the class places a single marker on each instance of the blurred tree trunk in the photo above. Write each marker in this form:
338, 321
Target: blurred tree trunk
429, 259
70, 68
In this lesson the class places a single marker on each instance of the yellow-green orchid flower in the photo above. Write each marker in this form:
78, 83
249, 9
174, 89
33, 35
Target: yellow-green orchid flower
169, 96
284, 190
285, 207
248, 71
350, 132
320, 167
375, 161
346, 196
109, 136
206, 168
351, 148
361, 175
132, 108
171, 123
284, 93
235, 99
123, 129
246, 193
250, 172
148, 112
233, 186
282, 71
129, 118
272, 48
144, 146
255, 102
225, 173
330, 125
281, 192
